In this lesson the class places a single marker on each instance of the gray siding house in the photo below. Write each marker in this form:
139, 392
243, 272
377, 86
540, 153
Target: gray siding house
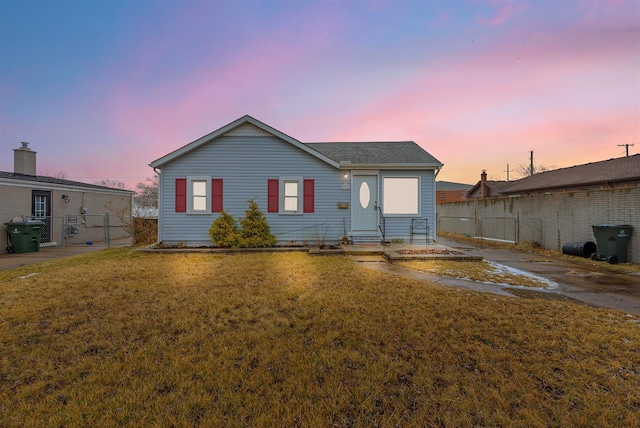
310, 192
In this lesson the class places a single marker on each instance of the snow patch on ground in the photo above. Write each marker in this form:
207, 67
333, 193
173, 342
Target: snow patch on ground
548, 284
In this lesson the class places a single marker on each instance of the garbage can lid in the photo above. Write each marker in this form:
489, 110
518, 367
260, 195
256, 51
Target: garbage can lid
613, 226
18, 221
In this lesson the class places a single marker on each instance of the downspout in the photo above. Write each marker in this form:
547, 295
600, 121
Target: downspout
435, 201
133, 220
159, 234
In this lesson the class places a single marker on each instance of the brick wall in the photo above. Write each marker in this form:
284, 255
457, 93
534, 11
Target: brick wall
552, 219
450, 195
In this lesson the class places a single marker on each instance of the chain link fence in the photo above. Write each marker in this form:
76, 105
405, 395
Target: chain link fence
104, 230
503, 229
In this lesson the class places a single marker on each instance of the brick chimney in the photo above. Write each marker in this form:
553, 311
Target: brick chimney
484, 191
24, 160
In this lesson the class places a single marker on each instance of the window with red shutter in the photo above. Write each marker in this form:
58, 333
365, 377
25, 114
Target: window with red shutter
309, 195
216, 195
272, 195
181, 195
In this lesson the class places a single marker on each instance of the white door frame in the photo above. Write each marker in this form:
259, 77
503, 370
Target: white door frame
373, 205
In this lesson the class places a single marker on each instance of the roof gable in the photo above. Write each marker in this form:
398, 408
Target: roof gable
244, 126
390, 154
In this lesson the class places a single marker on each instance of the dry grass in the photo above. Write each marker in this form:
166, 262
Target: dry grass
122, 338
480, 271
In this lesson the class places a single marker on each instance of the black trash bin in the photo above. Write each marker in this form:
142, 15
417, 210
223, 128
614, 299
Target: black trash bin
582, 249
612, 240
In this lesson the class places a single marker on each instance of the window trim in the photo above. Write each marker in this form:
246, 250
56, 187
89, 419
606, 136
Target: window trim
419, 197
300, 195
190, 196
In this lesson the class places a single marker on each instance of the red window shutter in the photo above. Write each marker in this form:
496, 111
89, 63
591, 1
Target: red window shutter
272, 192
309, 195
216, 195
181, 195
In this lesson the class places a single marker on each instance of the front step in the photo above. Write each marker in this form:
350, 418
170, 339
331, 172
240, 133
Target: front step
366, 238
362, 249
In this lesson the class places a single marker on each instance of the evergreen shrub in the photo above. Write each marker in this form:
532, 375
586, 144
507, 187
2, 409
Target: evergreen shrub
224, 231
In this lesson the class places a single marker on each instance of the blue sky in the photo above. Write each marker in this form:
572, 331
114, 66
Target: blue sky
101, 88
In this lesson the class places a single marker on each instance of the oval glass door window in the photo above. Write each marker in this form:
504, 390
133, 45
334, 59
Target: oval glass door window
365, 195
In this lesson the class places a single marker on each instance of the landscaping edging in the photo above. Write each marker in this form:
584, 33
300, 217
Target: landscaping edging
394, 256
183, 250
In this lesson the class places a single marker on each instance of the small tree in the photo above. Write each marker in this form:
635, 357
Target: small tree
114, 184
147, 192
255, 231
224, 231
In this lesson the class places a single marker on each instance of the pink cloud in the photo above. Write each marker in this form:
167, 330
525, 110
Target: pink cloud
505, 10
220, 88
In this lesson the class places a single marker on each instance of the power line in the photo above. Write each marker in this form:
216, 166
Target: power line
626, 146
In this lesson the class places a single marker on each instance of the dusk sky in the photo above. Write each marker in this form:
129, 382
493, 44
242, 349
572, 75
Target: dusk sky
100, 88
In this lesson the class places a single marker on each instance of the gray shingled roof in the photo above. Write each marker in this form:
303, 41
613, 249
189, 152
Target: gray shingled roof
377, 153
52, 180
596, 173
450, 185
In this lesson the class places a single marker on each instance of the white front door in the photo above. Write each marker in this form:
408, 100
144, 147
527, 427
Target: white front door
364, 203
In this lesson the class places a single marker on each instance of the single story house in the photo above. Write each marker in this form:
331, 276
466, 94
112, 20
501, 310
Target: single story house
71, 211
310, 192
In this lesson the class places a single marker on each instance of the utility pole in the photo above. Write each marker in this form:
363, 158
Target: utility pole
507, 171
626, 146
531, 164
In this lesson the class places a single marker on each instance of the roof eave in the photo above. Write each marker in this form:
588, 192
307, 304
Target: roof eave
396, 166
63, 186
565, 186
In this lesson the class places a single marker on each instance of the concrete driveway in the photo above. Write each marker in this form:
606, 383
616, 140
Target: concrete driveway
595, 286
14, 260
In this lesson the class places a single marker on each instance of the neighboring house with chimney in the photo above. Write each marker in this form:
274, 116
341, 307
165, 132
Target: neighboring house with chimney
70, 210
448, 191
553, 208
486, 188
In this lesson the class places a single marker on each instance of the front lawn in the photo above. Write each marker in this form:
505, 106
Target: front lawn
124, 338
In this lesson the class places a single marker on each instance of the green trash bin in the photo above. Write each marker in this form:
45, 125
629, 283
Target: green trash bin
24, 236
612, 241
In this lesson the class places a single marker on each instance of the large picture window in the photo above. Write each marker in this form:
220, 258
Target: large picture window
401, 196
